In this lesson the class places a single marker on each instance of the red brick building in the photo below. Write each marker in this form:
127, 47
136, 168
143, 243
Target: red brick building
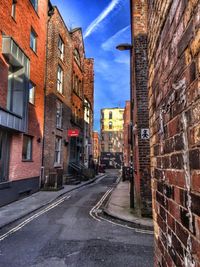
58, 104
126, 149
69, 102
174, 106
139, 103
76, 143
23, 31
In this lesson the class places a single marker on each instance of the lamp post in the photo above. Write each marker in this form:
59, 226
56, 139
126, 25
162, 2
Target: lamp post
124, 47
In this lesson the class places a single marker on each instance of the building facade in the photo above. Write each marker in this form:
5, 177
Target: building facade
77, 119
140, 112
22, 68
58, 102
96, 147
112, 122
174, 105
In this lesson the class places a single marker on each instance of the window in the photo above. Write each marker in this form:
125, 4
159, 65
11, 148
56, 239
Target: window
61, 48
77, 57
31, 93
59, 114
110, 115
27, 148
80, 89
35, 4
110, 124
33, 40
74, 79
110, 136
76, 84
13, 11
58, 145
60, 80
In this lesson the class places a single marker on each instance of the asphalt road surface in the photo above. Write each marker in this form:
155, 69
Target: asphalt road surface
67, 235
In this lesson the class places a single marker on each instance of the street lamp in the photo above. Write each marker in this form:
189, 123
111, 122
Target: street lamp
124, 47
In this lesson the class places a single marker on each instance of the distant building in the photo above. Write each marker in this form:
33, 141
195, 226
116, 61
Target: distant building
127, 133
112, 139
96, 147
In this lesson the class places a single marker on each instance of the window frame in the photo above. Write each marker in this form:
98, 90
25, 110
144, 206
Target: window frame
59, 114
25, 136
77, 57
33, 34
33, 87
62, 48
60, 80
58, 150
13, 9
34, 3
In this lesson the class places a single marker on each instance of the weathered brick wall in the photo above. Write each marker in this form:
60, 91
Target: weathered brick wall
141, 146
78, 71
57, 29
88, 84
174, 105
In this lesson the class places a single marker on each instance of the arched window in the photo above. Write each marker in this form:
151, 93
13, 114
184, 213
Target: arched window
110, 124
110, 115
77, 57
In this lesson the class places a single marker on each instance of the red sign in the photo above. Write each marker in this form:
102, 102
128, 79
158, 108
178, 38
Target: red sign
73, 133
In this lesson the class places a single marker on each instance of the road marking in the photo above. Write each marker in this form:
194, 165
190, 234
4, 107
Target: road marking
31, 218
94, 214
96, 207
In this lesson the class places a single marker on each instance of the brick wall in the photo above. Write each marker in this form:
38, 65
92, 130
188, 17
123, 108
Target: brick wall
18, 29
141, 148
78, 71
57, 29
88, 85
174, 105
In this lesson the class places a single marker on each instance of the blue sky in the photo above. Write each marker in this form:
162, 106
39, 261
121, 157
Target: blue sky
105, 23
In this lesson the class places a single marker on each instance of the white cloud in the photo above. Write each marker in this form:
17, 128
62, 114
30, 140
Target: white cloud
120, 36
95, 23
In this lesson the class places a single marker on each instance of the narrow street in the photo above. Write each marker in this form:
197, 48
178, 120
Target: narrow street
67, 235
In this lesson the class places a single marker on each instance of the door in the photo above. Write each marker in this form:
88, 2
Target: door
4, 155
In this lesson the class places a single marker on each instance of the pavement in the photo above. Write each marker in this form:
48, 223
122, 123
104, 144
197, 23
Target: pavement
21, 208
118, 206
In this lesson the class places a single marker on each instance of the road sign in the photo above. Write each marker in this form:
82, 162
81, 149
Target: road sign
73, 132
145, 134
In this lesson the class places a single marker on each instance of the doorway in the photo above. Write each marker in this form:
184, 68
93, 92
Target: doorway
4, 155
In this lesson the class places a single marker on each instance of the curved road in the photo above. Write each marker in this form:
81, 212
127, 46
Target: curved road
67, 235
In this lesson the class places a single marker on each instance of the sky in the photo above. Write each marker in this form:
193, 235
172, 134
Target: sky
105, 24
